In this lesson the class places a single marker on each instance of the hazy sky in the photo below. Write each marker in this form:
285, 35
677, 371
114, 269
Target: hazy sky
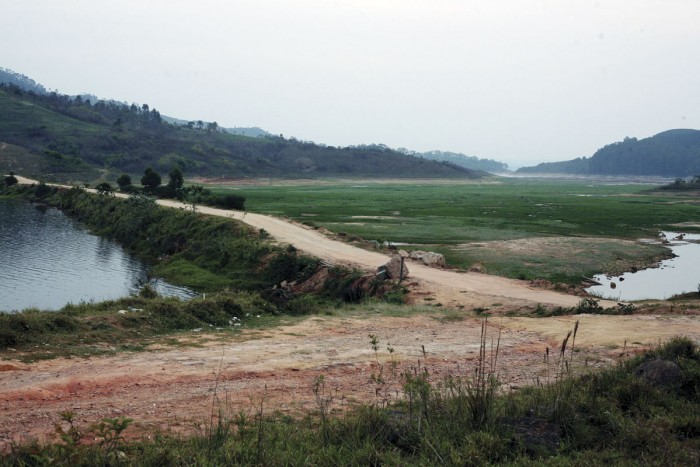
521, 81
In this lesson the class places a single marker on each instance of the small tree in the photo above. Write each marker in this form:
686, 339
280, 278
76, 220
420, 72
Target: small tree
176, 179
124, 181
104, 188
150, 180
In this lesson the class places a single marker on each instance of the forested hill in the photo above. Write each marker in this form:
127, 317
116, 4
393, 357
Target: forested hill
57, 137
23, 82
673, 153
462, 160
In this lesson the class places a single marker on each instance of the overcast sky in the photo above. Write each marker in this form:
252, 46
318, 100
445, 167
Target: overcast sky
521, 81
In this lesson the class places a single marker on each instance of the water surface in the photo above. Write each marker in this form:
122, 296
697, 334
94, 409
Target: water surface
673, 276
48, 260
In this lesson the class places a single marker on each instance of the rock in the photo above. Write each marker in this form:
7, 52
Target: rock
382, 273
403, 253
476, 267
417, 255
434, 260
613, 285
659, 373
428, 258
393, 268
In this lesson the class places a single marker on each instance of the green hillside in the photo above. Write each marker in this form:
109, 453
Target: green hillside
64, 138
673, 153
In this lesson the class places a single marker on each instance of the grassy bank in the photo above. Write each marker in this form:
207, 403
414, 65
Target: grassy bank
133, 323
235, 265
560, 231
621, 416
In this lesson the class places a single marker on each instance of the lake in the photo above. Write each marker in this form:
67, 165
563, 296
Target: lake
673, 276
48, 260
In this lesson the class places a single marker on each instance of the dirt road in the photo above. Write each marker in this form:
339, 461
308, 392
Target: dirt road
176, 387
451, 288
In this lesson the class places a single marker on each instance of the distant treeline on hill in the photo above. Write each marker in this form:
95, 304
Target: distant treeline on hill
24, 82
673, 153
462, 160
59, 137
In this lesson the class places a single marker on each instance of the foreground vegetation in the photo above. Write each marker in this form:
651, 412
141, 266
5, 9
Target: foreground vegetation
620, 416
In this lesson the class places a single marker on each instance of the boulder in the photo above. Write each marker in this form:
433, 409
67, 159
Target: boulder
393, 268
417, 255
429, 258
403, 253
476, 267
434, 260
382, 273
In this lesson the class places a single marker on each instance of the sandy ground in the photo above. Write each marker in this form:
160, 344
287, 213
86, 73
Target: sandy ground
176, 388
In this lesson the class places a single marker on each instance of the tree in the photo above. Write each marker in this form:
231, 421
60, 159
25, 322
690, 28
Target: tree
150, 180
176, 179
104, 188
124, 180
11, 179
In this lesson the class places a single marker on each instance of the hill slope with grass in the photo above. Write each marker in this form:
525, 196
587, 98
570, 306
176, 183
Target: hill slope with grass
673, 153
58, 137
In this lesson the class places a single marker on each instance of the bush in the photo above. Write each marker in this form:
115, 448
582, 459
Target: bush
11, 179
228, 202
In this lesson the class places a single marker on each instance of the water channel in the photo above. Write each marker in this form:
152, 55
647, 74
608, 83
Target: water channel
48, 260
674, 276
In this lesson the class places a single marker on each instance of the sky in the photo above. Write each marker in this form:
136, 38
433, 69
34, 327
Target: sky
519, 81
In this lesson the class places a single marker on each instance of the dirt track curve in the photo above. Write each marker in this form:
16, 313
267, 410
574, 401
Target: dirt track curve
451, 288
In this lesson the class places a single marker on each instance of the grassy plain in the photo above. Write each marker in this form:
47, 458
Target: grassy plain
574, 228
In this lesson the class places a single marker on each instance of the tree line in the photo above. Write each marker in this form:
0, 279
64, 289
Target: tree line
151, 184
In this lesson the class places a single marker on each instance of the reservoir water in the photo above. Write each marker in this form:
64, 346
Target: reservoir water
48, 260
673, 276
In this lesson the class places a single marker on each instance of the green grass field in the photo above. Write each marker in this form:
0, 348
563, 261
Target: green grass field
461, 219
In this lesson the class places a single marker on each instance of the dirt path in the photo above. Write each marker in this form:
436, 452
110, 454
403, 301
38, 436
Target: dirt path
451, 288
176, 388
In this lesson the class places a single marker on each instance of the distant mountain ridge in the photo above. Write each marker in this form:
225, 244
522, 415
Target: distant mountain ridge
672, 153
462, 160
58, 137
